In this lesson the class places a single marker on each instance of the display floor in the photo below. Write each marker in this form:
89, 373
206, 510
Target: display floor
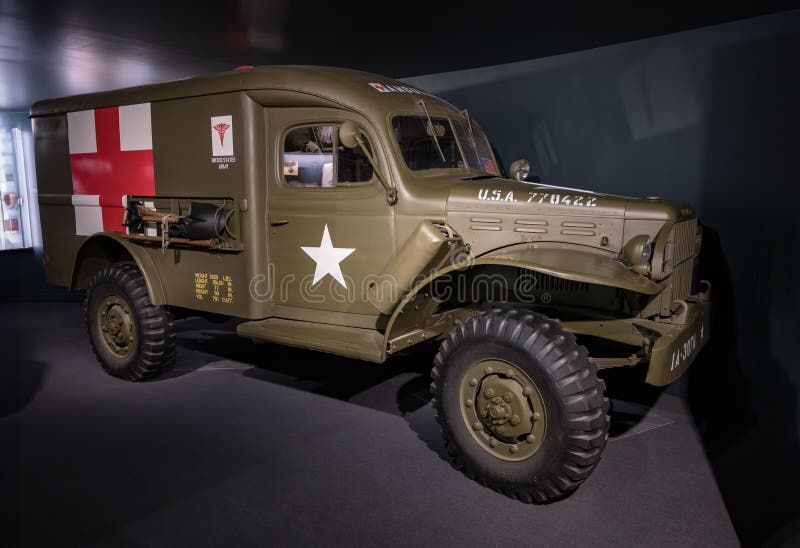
249, 444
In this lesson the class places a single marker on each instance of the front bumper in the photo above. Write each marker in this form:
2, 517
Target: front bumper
669, 345
677, 347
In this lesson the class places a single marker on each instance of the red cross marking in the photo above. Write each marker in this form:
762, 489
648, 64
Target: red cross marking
111, 172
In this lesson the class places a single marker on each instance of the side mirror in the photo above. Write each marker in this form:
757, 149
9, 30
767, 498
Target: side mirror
348, 134
350, 137
520, 170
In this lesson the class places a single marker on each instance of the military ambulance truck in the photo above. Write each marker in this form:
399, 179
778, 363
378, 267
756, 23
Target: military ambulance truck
353, 214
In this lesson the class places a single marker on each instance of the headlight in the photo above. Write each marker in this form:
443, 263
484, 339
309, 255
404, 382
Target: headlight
647, 251
638, 252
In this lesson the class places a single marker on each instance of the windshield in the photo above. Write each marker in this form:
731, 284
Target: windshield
419, 146
459, 148
475, 146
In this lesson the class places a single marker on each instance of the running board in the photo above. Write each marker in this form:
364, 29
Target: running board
353, 342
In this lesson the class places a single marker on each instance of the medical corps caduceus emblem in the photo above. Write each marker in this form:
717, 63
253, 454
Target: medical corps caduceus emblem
222, 141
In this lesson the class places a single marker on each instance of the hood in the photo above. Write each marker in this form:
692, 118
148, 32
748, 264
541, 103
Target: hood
490, 213
515, 197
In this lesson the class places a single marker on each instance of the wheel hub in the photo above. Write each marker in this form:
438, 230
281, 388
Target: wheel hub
503, 409
117, 325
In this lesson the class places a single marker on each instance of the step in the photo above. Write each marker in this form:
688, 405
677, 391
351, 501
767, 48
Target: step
353, 342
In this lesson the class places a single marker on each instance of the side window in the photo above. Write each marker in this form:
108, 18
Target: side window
313, 157
353, 166
308, 156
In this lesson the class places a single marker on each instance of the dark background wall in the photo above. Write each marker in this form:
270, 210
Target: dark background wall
712, 117
54, 48
709, 116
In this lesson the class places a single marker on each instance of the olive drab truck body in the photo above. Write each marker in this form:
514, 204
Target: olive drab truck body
350, 213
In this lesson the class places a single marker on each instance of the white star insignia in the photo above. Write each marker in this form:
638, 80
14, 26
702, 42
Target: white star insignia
328, 258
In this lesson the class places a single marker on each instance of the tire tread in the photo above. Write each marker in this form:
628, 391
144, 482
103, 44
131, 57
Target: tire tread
157, 339
580, 391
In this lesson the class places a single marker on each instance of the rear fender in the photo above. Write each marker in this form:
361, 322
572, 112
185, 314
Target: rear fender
102, 250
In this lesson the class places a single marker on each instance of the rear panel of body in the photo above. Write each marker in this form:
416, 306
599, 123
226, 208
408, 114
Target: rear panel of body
176, 151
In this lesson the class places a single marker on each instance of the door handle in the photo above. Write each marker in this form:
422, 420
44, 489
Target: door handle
279, 223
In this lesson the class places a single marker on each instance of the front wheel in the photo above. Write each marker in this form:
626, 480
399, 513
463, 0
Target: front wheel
520, 405
132, 338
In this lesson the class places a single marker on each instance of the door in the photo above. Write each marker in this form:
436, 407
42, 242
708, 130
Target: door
330, 229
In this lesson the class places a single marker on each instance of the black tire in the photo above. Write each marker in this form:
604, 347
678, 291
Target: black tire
576, 411
151, 349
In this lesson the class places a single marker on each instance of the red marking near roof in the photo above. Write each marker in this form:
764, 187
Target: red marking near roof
111, 172
244, 67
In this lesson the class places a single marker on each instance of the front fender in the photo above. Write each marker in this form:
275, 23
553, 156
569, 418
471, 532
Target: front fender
575, 263
98, 247
572, 262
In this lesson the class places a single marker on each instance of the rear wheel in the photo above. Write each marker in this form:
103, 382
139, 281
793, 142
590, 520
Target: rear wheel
132, 338
520, 404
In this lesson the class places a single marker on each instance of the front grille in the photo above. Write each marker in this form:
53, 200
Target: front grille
683, 239
682, 280
681, 257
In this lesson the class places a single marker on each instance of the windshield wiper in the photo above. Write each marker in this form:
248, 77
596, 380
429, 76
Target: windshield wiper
432, 130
